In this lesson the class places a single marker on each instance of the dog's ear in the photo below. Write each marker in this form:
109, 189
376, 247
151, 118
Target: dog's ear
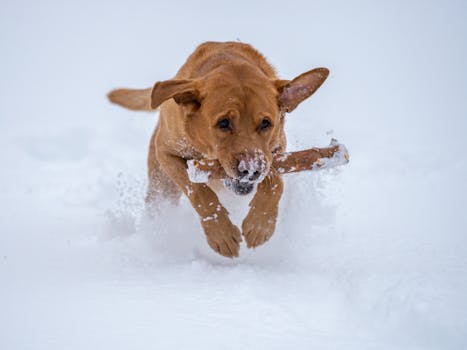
292, 92
134, 99
182, 91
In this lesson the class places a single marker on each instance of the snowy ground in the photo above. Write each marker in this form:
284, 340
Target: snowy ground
371, 256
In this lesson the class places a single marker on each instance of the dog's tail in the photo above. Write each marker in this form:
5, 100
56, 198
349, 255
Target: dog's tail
134, 99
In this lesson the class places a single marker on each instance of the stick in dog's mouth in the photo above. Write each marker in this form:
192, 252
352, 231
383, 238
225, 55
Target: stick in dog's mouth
336, 154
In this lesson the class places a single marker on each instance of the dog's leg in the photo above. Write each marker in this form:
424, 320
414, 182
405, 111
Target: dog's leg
259, 224
222, 236
160, 186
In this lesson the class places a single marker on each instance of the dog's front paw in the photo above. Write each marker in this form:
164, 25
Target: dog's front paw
258, 226
222, 236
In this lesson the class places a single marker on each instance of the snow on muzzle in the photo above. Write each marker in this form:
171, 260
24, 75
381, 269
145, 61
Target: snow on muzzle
250, 169
245, 171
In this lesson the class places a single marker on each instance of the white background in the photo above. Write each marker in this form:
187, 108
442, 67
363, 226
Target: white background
370, 256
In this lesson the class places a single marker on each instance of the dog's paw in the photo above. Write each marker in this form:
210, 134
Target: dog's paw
222, 236
258, 226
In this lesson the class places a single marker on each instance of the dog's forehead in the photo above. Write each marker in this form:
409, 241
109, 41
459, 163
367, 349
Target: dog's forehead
241, 96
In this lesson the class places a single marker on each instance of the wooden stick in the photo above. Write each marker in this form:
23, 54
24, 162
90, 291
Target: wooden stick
291, 162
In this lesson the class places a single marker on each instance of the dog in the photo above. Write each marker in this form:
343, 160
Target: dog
226, 103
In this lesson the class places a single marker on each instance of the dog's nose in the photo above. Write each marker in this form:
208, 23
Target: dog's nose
248, 175
250, 168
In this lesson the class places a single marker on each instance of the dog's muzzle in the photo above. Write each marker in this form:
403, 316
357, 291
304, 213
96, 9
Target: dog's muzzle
250, 169
238, 187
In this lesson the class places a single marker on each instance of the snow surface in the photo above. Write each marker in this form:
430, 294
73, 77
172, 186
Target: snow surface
368, 256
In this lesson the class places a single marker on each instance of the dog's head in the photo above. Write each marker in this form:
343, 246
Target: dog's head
234, 114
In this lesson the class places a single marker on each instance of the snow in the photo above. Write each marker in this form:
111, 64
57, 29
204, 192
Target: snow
195, 174
371, 255
340, 157
252, 165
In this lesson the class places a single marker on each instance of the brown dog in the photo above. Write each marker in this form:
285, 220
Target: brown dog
225, 103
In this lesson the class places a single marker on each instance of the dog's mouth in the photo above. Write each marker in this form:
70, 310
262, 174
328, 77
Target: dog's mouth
244, 171
239, 187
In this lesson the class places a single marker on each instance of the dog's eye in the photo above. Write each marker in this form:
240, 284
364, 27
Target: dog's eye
265, 124
224, 124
